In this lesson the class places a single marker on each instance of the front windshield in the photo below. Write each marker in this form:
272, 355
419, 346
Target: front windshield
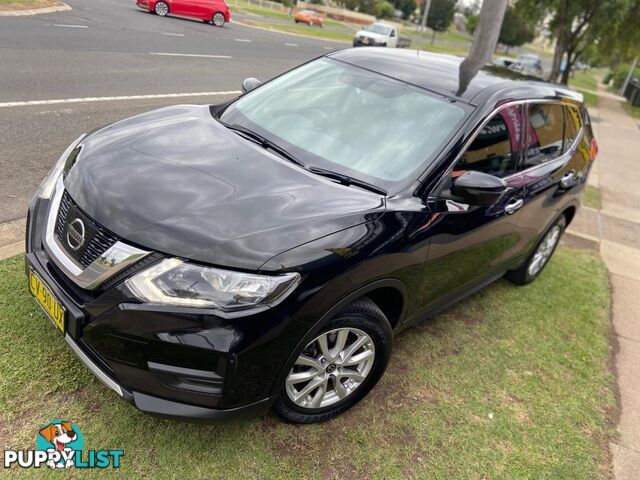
378, 28
350, 120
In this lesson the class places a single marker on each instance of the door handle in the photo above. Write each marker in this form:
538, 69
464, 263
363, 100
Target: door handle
568, 180
513, 206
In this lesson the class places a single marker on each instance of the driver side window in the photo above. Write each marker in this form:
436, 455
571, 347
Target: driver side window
495, 148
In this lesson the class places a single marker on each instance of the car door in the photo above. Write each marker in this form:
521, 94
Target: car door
393, 38
202, 8
471, 245
179, 7
555, 161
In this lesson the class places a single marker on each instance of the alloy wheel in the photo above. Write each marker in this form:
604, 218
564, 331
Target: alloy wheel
331, 367
162, 9
218, 20
545, 249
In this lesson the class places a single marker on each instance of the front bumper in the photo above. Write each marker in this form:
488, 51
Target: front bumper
163, 407
174, 362
367, 42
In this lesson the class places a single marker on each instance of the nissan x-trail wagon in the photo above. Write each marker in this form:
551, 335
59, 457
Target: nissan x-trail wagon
207, 261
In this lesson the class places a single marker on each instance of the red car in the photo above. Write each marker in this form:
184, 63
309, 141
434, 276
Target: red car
214, 11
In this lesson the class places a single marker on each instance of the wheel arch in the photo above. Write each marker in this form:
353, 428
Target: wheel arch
381, 292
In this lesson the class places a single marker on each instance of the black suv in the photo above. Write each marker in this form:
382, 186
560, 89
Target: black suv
205, 261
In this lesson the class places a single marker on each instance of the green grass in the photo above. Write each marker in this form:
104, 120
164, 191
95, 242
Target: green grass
305, 30
511, 383
592, 197
633, 111
263, 12
583, 81
268, 13
26, 4
590, 99
586, 84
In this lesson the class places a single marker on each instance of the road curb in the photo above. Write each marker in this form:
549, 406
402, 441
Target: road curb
577, 240
11, 250
35, 11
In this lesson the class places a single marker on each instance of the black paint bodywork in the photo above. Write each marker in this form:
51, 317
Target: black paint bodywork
177, 182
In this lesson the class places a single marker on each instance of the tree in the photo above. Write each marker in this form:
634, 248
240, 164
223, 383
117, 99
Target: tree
515, 31
576, 25
407, 7
384, 9
472, 21
440, 16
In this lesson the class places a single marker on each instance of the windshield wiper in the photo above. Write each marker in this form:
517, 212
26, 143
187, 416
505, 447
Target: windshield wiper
347, 180
264, 142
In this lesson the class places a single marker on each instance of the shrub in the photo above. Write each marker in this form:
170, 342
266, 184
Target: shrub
384, 9
620, 72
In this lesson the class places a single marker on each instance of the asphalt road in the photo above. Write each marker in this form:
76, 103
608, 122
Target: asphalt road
110, 48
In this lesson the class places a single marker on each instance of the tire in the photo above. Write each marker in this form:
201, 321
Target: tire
218, 19
368, 332
534, 265
161, 9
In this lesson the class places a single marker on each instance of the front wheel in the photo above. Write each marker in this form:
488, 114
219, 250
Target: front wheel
538, 259
161, 9
339, 366
218, 19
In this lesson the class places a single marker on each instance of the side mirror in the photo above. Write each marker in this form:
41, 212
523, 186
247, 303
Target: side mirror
249, 84
477, 188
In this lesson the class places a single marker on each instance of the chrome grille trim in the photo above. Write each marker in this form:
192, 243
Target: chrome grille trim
115, 259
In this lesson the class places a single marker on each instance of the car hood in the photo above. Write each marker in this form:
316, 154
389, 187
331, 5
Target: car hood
373, 35
176, 181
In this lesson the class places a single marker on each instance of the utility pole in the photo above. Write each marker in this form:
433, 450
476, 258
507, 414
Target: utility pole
629, 75
423, 21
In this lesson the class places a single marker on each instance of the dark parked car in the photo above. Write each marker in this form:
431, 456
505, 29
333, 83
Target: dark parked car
210, 261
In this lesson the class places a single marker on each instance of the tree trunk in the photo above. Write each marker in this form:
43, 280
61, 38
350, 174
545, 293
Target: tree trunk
560, 43
487, 31
508, 48
433, 37
485, 39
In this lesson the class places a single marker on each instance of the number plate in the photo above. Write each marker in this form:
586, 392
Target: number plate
42, 293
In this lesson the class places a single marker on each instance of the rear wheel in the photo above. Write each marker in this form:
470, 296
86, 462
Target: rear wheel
339, 366
218, 19
538, 259
161, 9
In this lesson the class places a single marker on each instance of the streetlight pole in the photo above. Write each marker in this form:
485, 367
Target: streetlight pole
423, 22
629, 75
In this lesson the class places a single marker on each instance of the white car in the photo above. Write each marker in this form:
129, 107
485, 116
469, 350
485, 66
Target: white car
380, 35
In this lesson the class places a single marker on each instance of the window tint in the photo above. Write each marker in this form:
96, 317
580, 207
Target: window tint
495, 149
545, 134
572, 126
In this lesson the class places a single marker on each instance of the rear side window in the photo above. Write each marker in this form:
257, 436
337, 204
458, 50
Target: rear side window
545, 133
495, 149
572, 126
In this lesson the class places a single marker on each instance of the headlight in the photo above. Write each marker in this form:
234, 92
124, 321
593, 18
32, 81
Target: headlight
48, 184
174, 282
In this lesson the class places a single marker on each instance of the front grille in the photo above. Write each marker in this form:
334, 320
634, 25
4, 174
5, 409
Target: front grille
97, 238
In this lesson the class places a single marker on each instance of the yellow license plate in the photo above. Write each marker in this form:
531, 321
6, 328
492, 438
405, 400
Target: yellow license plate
42, 293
